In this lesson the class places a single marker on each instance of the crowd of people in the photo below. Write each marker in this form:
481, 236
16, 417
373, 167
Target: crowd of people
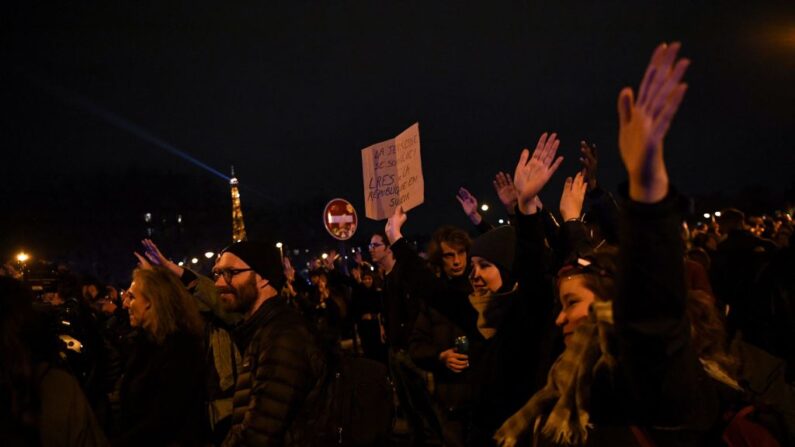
610, 322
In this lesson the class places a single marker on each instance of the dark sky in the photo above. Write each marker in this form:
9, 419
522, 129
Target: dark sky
290, 92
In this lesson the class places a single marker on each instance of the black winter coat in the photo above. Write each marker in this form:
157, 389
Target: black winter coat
408, 284
510, 367
162, 393
433, 334
282, 366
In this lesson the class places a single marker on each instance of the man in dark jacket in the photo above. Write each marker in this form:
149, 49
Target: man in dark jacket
408, 283
282, 363
433, 339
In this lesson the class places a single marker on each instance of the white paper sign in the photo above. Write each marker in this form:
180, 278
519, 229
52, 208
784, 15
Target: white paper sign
392, 172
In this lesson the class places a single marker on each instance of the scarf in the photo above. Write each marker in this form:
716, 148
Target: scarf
492, 309
565, 397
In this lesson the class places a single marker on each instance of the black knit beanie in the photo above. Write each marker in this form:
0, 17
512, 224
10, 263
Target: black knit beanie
498, 246
263, 257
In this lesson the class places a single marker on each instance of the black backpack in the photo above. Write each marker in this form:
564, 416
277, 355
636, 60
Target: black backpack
356, 406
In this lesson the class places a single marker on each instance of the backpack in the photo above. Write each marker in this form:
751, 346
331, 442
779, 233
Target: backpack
356, 404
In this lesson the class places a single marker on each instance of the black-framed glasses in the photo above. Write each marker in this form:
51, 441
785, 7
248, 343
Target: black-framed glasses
228, 274
373, 245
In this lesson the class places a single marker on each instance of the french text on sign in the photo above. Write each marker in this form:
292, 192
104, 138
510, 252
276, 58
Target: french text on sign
392, 172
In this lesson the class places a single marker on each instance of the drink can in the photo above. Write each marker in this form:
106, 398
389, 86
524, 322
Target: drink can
462, 345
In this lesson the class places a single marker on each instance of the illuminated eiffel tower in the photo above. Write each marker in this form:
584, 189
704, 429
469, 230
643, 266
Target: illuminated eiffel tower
238, 227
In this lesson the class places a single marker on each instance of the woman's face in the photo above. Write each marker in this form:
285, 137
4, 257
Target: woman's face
485, 276
137, 306
575, 299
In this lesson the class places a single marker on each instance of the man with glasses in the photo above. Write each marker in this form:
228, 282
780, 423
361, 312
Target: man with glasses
282, 362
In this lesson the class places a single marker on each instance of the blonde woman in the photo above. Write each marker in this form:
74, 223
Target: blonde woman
162, 389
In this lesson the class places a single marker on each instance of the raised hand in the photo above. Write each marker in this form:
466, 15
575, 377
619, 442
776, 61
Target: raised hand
503, 184
289, 270
572, 197
143, 264
328, 263
394, 225
643, 123
155, 256
532, 173
590, 163
469, 204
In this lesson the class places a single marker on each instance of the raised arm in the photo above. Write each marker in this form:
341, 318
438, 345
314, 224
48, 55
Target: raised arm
531, 175
469, 204
573, 233
651, 248
649, 309
602, 206
503, 186
533, 172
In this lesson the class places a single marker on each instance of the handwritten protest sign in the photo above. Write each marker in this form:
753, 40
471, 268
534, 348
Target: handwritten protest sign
392, 172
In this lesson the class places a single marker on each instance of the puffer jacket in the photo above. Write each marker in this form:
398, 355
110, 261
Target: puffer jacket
279, 378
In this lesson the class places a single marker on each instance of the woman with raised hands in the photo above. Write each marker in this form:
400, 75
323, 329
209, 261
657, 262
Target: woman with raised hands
512, 297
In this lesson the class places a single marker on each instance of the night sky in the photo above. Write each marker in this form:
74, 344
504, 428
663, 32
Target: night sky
290, 92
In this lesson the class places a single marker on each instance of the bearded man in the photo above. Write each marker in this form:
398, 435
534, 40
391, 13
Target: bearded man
282, 363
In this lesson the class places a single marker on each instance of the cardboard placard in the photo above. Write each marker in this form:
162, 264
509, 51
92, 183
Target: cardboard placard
392, 172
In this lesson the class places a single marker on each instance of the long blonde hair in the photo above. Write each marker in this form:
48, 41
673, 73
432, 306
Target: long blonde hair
173, 308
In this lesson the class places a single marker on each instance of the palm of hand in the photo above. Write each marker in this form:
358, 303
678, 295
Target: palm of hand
529, 179
507, 194
532, 173
639, 142
468, 202
470, 205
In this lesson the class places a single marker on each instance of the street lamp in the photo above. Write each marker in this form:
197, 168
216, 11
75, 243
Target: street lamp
194, 261
717, 213
209, 255
180, 263
706, 215
484, 207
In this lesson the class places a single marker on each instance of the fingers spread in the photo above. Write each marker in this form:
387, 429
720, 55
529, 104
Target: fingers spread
552, 150
541, 142
661, 99
662, 76
663, 121
648, 77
